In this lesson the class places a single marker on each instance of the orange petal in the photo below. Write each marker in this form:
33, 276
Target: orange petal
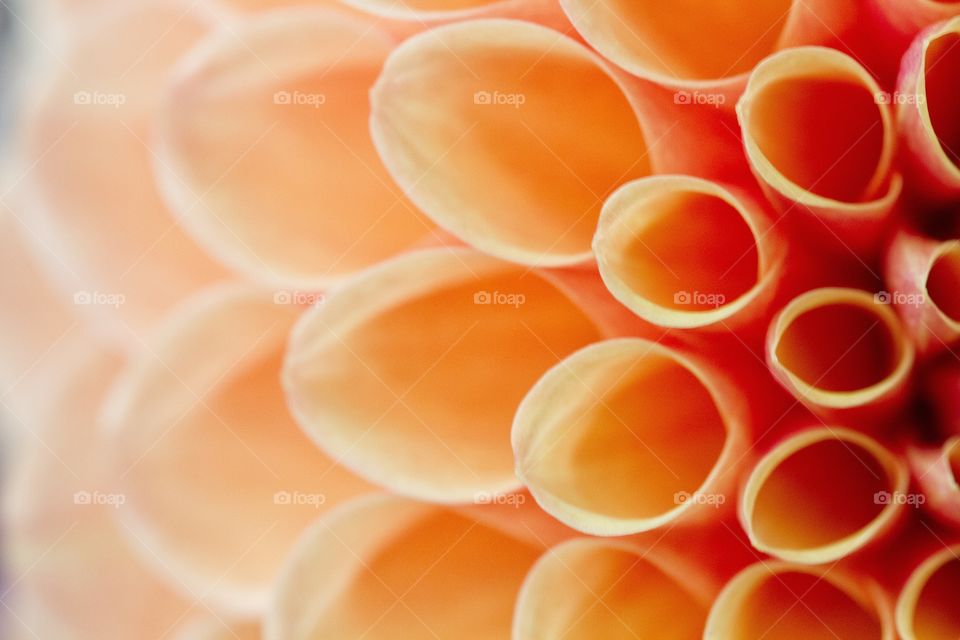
658, 251
822, 494
590, 588
411, 372
473, 120
292, 82
65, 560
219, 479
927, 103
820, 141
382, 568
602, 451
923, 278
793, 602
841, 350
927, 606
99, 212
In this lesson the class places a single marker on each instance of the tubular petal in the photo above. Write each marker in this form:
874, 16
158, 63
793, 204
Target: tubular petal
411, 372
608, 589
383, 568
927, 606
839, 349
793, 602
474, 120
820, 139
599, 439
821, 495
685, 252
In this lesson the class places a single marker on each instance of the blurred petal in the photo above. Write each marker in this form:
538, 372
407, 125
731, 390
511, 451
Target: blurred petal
289, 188
927, 606
219, 479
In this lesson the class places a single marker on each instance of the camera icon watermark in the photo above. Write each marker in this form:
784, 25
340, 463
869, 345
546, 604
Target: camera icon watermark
698, 298
499, 298
99, 298
699, 98
299, 499
899, 298
299, 99
508, 499
497, 98
899, 497
715, 500
299, 298
98, 498
99, 99
898, 98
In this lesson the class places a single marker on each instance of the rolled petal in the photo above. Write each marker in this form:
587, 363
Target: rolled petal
794, 602
410, 373
292, 82
383, 568
923, 275
928, 100
474, 121
927, 606
821, 495
99, 215
839, 350
68, 571
937, 473
685, 252
219, 480
590, 588
820, 140
600, 440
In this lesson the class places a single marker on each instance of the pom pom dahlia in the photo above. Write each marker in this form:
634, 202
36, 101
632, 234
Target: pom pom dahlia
480, 319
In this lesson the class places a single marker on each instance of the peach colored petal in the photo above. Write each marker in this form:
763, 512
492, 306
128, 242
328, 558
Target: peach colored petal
820, 140
685, 252
411, 372
923, 278
424, 12
474, 121
590, 588
100, 213
937, 474
927, 606
839, 350
69, 573
219, 479
794, 602
215, 627
822, 494
927, 103
600, 439
382, 568
294, 83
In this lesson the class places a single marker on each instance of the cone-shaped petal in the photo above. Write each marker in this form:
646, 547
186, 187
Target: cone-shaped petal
508, 134
822, 494
411, 372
